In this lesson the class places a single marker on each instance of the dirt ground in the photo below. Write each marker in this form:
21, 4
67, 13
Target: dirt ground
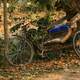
40, 72
69, 75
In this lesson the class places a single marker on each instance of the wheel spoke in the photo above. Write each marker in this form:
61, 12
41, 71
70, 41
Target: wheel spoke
22, 53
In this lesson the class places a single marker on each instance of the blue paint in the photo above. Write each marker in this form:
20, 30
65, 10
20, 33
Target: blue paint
58, 28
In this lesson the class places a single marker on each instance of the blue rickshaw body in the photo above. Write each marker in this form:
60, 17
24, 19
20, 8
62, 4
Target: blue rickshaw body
58, 28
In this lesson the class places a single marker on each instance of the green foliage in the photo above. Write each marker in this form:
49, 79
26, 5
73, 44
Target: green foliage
38, 5
11, 8
48, 4
15, 27
45, 21
1, 43
14, 45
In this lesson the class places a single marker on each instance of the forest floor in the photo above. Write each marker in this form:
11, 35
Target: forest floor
66, 74
71, 74
60, 69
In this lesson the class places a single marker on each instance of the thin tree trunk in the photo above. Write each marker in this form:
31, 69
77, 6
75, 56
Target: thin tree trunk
6, 36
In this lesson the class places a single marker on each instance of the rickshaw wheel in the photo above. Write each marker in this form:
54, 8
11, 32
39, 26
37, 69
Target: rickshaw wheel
76, 43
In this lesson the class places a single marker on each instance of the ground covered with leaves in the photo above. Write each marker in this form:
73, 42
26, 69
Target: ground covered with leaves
57, 69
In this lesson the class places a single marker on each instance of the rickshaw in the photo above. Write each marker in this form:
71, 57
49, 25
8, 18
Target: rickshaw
31, 41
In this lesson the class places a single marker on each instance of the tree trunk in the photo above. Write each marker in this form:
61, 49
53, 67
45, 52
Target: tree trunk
6, 37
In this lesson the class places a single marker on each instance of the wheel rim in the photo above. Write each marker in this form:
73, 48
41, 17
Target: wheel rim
23, 54
76, 43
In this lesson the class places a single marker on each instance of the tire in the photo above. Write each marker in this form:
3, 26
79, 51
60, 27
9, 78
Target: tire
76, 43
21, 51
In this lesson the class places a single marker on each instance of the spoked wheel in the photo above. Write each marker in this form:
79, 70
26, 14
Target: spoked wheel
21, 51
76, 43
